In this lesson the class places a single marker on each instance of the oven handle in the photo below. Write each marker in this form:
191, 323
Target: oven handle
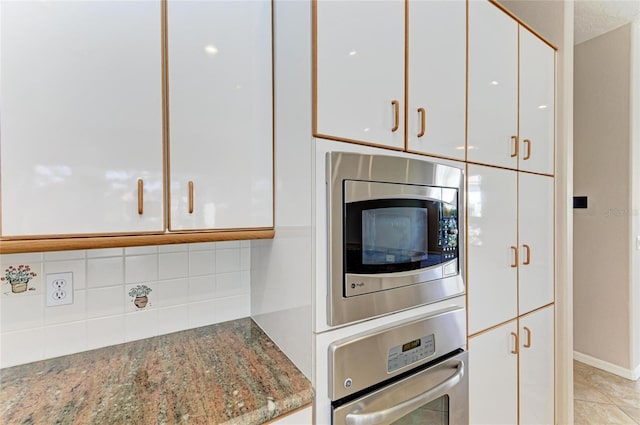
393, 413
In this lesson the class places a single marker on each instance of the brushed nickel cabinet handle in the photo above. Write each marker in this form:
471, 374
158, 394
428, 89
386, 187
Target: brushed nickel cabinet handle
528, 332
527, 143
516, 343
396, 115
515, 257
140, 196
423, 121
527, 259
516, 146
190, 197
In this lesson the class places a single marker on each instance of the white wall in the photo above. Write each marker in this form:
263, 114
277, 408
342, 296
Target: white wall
192, 285
605, 258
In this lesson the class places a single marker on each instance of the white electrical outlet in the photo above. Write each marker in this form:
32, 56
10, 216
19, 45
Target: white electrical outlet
59, 289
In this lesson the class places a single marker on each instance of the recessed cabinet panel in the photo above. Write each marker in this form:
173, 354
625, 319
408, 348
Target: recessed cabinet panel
81, 117
493, 86
493, 377
360, 71
437, 78
492, 286
536, 224
220, 112
537, 367
537, 105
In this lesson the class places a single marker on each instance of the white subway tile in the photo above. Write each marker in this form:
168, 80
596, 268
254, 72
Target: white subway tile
103, 302
232, 308
22, 347
202, 288
21, 312
230, 284
245, 244
181, 247
228, 245
105, 331
140, 268
202, 314
172, 292
30, 257
202, 262
104, 252
64, 255
245, 258
105, 272
173, 319
141, 250
73, 312
173, 265
202, 246
77, 267
227, 260
65, 339
141, 324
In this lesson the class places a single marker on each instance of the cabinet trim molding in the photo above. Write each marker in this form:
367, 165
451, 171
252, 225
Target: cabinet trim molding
524, 24
64, 243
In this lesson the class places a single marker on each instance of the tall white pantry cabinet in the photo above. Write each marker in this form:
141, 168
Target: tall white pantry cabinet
510, 285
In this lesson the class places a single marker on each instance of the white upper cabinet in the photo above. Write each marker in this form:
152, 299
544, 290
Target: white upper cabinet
359, 63
81, 122
537, 104
537, 367
492, 285
436, 109
220, 114
493, 86
535, 280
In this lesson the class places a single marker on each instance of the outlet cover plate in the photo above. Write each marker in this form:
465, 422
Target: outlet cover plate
59, 289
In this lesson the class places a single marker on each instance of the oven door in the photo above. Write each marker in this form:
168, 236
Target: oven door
437, 395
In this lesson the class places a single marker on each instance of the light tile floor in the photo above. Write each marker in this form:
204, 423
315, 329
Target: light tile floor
603, 398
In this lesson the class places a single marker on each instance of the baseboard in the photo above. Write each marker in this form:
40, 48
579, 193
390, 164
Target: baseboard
632, 374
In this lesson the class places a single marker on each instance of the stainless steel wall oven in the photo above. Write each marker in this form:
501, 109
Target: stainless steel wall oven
396, 234
413, 373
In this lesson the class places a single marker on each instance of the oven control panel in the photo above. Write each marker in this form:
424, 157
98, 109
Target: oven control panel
410, 352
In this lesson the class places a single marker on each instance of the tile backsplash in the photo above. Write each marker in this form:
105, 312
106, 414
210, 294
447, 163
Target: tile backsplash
120, 295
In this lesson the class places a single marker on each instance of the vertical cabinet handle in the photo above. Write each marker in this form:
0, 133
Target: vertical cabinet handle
515, 343
516, 146
527, 143
190, 197
527, 258
140, 196
528, 332
515, 256
423, 121
396, 115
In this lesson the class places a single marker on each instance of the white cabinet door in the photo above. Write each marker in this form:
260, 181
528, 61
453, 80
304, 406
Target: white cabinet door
437, 78
537, 105
493, 377
493, 86
360, 71
220, 114
81, 117
492, 286
300, 417
537, 368
536, 227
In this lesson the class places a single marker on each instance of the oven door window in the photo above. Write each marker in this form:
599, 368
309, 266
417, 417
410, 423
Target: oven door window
433, 413
393, 235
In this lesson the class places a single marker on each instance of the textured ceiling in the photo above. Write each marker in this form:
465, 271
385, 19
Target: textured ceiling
595, 17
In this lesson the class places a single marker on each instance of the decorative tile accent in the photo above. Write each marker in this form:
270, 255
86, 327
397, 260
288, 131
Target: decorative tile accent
19, 278
139, 297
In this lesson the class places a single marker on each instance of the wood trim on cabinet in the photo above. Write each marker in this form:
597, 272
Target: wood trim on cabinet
64, 243
357, 142
524, 24
166, 151
406, 76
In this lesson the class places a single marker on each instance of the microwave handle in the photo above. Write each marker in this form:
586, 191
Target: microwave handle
396, 412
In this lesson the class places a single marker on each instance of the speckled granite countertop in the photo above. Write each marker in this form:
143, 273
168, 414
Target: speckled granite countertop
229, 373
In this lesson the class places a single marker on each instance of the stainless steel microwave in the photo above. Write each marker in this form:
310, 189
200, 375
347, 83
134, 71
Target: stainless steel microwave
396, 234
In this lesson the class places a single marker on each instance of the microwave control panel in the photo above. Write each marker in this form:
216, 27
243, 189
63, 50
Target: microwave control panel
449, 237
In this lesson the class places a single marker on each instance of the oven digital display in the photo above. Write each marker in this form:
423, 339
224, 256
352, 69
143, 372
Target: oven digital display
411, 352
411, 345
